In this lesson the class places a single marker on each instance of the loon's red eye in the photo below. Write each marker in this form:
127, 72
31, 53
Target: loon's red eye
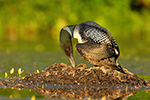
68, 50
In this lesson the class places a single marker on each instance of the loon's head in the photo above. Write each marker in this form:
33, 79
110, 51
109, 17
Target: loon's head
65, 42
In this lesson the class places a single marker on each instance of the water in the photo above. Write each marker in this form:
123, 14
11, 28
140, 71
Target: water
43, 93
30, 61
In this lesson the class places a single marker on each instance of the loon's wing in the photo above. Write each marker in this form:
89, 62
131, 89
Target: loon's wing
96, 54
93, 53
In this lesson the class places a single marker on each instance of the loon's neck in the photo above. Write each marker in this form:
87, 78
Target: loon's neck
77, 35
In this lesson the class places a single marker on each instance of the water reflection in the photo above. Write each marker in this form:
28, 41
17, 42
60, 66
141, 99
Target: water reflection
82, 92
78, 91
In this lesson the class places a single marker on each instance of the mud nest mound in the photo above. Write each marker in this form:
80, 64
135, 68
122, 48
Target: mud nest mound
82, 75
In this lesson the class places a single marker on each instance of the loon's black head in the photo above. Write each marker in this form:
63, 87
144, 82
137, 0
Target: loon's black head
65, 42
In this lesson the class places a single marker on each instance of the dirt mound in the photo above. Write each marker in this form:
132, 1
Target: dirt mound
82, 75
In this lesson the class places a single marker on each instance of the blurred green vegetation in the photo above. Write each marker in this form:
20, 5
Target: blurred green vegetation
140, 95
18, 94
35, 24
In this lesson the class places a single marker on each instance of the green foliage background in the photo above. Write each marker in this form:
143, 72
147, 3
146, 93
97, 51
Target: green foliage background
35, 24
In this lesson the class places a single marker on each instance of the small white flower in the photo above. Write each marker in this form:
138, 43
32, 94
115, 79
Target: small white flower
12, 71
19, 71
37, 71
6, 74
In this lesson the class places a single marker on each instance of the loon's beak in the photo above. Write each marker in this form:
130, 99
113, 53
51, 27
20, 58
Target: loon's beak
72, 60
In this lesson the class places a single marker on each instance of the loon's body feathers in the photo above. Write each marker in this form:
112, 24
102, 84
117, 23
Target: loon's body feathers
91, 30
95, 44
